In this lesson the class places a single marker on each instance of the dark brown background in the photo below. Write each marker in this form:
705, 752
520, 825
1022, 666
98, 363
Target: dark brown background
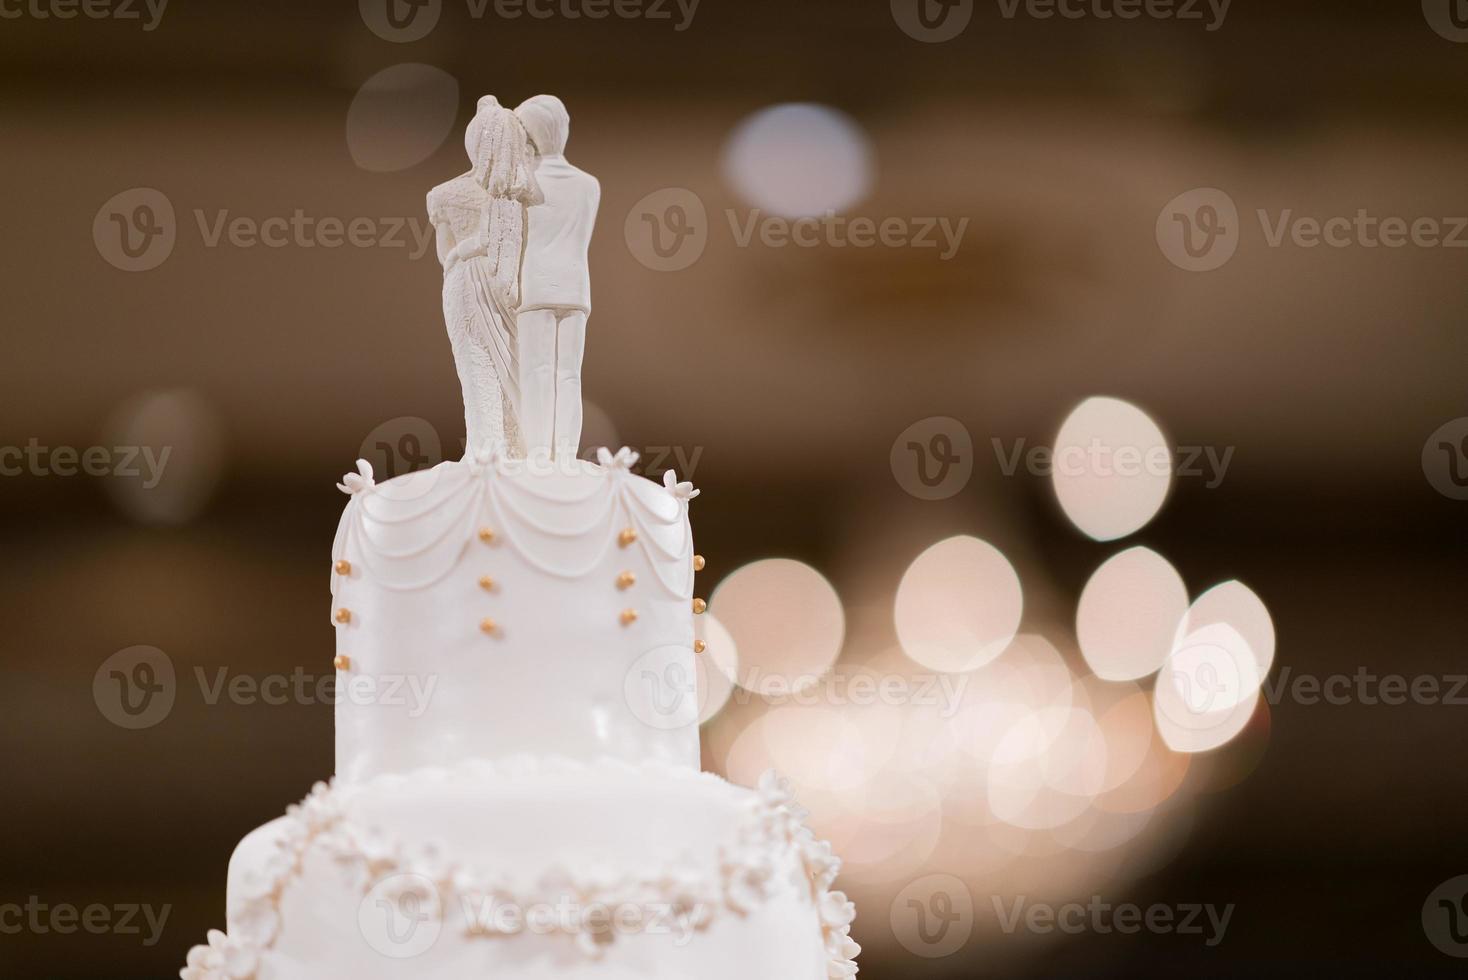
794, 370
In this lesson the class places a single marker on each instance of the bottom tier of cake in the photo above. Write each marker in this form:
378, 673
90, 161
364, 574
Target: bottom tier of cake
534, 869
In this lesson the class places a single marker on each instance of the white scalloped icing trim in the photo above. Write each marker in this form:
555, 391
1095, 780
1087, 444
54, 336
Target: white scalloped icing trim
458, 497
743, 879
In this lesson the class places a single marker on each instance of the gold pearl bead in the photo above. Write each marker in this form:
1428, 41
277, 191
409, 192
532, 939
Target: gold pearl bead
698, 563
626, 580
699, 646
344, 567
486, 535
628, 535
486, 583
629, 616
342, 662
343, 616
699, 606
488, 625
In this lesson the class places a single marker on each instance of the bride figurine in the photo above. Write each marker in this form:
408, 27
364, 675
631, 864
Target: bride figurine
479, 219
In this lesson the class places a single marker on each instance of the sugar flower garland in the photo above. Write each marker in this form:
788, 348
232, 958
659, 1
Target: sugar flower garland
748, 873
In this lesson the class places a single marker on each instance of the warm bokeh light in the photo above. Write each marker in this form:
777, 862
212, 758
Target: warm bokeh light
1129, 613
799, 160
1099, 830
816, 747
170, 456
897, 828
1236, 604
786, 622
1111, 468
958, 605
1207, 689
1126, 724
401, 116
1047, 768
1159, 776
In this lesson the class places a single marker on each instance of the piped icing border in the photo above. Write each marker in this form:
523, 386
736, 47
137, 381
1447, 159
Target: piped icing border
743, 877
565, 536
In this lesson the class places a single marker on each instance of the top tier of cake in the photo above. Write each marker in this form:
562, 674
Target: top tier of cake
487, 609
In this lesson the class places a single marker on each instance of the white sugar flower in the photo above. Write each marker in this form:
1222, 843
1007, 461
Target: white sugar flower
748, 877
256, 922
222, 959
820, 863
621, 460
837, 911
354, 483
837, 914
774, 789
683, 491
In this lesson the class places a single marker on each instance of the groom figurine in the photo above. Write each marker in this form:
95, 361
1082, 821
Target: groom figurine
555, 286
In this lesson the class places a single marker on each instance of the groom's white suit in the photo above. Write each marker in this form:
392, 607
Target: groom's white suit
555, 285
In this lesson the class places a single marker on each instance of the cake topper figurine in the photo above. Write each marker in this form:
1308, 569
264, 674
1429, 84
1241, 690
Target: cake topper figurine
479, 219
555, 285
512, 237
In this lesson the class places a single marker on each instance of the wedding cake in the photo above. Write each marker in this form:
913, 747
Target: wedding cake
515, 794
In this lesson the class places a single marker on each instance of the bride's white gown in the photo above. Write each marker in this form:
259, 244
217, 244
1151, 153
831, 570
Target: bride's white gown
480, 285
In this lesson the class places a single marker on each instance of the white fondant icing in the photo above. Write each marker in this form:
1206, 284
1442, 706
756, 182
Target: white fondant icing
723, 880
561, 673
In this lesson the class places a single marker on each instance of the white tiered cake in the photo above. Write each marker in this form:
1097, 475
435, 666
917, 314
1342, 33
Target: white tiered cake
532, 810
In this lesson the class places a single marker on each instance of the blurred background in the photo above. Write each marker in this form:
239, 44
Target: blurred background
1088, 378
